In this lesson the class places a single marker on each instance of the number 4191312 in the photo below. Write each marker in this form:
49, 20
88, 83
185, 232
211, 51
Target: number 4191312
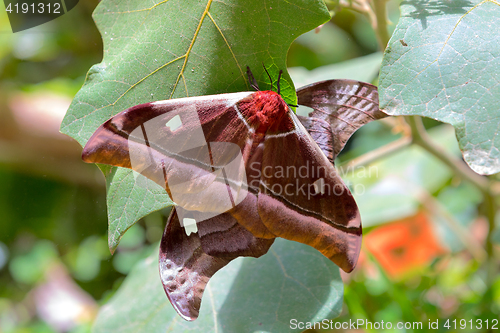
33, 8
477, 324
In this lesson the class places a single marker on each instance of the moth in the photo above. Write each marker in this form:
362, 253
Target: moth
242, 169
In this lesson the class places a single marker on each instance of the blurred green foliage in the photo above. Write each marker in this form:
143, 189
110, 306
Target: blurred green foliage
49, 213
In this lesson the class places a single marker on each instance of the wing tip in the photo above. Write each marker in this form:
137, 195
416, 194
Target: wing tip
87, 155
351, 257
353, 241
90, 153
105, 148
182, 305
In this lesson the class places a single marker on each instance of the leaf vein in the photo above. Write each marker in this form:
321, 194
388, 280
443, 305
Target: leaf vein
188, 52
229, 47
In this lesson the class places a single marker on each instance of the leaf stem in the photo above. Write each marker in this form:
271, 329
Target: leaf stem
491, 209
380, 22
376, 154
374, 10
422, 139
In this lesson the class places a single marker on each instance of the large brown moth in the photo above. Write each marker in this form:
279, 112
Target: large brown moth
242, 169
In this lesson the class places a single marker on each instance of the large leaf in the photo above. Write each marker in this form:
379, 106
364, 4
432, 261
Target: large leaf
443, 62
292, 281
157, 50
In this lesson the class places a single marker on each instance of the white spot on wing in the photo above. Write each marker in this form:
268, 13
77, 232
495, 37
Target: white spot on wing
319, 186
174, 123
189, 225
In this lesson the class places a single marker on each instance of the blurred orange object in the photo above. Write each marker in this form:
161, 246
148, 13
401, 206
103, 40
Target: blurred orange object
404, 246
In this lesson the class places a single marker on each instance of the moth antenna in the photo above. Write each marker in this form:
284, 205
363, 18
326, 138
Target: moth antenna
278, 83
295, 106
270, 79
251, 80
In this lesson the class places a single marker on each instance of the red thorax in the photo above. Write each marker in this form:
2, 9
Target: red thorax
263, 110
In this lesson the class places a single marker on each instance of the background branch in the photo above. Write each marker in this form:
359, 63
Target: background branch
380, 23
421, 138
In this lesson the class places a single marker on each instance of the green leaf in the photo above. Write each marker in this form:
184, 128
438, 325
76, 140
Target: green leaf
130, 196
292, 281
178, 48
443, 62
29, 268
